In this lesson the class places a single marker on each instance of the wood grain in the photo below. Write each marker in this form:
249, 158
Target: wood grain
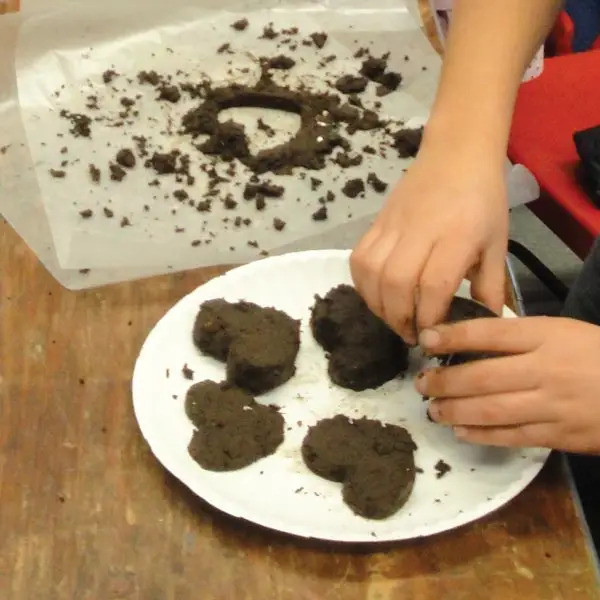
87, 513
9, 6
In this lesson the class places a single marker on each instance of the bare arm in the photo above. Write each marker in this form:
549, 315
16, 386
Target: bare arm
447, 218
490, 44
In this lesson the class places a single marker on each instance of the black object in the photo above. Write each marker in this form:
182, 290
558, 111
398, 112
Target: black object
465, 309
587, 143
539, 269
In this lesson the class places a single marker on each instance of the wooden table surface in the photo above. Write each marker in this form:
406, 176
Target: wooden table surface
87, 513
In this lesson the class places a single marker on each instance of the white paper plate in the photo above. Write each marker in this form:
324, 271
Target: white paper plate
279, 492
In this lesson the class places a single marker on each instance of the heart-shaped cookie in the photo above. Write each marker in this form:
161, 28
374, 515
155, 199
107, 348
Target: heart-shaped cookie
232, 429
364, 353
373, 461
258, 344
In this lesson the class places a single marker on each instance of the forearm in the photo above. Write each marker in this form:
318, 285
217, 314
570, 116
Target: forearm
490, 43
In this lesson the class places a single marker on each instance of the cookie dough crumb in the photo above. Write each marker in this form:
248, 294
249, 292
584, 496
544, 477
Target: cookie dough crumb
281, 62
95, 173
442, 468
353, 188
180, 195
170, 93
278, 224
376, 183
126, 158
269, 33
81, 124
320, 215
117, 173
163, 164
264, 188
319, 39
262, 126
187, 372
351, 84
150, 77
407, 142
347, 161
229, 203
240, 25
108, 76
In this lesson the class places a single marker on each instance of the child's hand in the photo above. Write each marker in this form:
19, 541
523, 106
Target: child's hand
447, 219
547, 394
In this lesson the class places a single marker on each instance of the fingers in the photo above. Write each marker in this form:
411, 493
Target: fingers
507, 336
399, 280
366, 265
488, 280
495, 410
481, 377
439, 281
534, 435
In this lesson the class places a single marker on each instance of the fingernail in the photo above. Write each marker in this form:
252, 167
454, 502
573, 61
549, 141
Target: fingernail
434, 411
429, 338
460, 432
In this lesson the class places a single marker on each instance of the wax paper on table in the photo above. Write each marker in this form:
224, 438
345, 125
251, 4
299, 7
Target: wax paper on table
180, 37
82, 253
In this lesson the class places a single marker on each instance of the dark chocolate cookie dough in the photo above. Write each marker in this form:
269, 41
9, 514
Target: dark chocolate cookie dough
407, 142
321, 115
232, 430
364, 352
258, 344
375, 462
464, 309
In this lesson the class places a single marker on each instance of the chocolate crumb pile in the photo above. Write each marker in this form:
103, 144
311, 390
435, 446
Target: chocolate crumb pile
321, 115
376, 69
210, 190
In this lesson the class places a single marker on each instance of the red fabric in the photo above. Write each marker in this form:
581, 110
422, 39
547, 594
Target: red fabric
562, 34
549, 109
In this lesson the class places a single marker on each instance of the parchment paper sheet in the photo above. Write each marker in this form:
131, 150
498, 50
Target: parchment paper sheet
91, 40
70, 44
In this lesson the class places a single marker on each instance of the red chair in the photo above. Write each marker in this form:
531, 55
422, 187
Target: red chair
549, 109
